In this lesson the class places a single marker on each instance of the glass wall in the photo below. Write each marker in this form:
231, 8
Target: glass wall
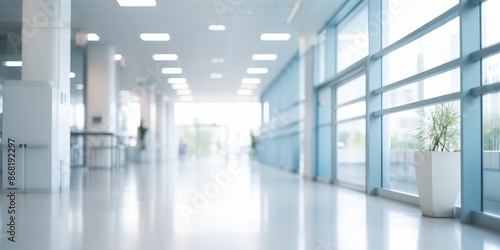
279, 139
352, 38
324, 134
491, 109
401, 17
351, 131
415, 74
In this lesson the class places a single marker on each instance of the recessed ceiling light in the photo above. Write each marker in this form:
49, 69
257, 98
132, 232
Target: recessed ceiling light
249, 86
79, 86
13, 63
258, 71
217, 60
216, 75
137, 3
186, 98
275, 36
171, 71
93, 37
184, 92
165, 57
176, 80
72, 75
118, 57
215, 27
251, 80
180, 86
245, 92
264, 57
155, 37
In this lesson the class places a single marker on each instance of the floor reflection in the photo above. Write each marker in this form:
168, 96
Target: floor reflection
219, 204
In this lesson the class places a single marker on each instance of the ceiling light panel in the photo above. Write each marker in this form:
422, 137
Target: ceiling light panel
275, 36
264, 57
216, 76
93, 37
251, 80
137, 3
179, 86
217, 60
13, 63
118, 57
155, 37
257, 71
177, 80
165, 57
171, 71
215, 27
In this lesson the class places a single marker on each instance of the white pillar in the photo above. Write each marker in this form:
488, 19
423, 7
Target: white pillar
172, 135
309, 120
101, 104
163, 128
46, 40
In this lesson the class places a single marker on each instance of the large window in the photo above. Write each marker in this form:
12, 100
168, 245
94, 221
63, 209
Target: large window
352, 39
491, 109
437, 47
490, 20
401, 17
421, 73
351, 131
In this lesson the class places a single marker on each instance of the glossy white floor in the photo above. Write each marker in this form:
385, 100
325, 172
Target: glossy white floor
205, 205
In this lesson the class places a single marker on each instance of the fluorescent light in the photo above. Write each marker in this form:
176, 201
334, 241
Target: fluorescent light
259, 71
72, 75
249, 86
155, 37
216, 75
264, 57
184, 92
118, 57
176, 80
215, 27
79, 86
186, 98
165, 57
217, 60
93, 37
275, 36
294, 11
13, 63
171, 71
251, 80
245, 92
180, 86
137, 3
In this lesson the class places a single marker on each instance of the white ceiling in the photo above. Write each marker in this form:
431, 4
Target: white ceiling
187, 23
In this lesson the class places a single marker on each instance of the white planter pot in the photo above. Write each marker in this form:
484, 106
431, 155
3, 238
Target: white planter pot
438, 182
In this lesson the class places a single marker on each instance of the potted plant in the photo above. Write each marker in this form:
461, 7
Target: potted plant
254, 144
141, 131
437, 164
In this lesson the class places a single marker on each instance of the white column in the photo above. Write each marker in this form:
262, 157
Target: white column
310, 118
101, 102
46, 40
172, 135
163, 128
